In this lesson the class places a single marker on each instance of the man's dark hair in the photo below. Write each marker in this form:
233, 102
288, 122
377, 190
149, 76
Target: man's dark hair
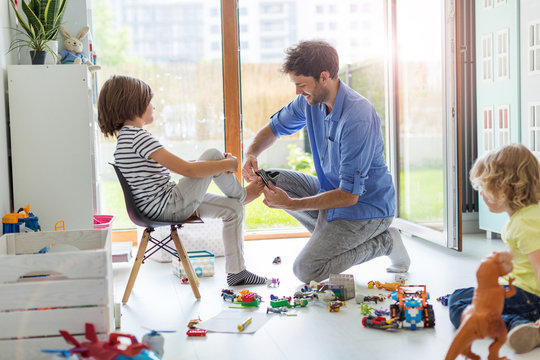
311, 58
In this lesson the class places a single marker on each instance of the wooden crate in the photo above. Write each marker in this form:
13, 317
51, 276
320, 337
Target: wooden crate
43, 293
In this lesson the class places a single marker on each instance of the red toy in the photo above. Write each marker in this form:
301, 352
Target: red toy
196, 332
108, 350
379, 322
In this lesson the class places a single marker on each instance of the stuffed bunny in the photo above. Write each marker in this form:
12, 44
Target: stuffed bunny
73, 49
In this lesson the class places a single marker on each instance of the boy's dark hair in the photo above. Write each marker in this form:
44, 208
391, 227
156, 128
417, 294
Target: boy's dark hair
121, 98
311, 58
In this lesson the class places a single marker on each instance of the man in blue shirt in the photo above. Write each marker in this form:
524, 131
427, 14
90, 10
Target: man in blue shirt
349, 206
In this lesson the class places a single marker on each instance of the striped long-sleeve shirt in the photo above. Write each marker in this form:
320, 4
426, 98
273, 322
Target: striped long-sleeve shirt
149, 181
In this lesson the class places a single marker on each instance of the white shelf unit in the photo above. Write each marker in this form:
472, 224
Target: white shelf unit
53, 126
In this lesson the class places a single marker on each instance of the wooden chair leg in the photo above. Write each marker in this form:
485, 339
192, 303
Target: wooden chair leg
136, 265
188, 268
188, 263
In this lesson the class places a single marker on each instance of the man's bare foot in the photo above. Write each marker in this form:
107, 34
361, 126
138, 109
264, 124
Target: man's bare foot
253, 190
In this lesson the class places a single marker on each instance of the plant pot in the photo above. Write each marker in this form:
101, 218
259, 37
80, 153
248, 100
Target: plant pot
38, 57
52, 59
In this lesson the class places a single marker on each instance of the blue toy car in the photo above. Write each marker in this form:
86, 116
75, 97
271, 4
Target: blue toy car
411, 307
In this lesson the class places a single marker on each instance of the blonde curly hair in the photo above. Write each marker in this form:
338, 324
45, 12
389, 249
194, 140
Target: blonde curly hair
510, 173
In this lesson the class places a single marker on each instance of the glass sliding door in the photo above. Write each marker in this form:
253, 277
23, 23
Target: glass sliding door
174, 46
422, 157
266, 28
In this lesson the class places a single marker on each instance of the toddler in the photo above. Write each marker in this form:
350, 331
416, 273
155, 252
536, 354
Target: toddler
509, 181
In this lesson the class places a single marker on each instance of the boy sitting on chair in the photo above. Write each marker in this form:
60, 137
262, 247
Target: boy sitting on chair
124, 108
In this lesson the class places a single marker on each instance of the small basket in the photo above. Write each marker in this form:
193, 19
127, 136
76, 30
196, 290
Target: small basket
202, 261
103, 221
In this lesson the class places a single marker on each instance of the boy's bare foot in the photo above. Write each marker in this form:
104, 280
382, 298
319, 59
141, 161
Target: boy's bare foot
253, 190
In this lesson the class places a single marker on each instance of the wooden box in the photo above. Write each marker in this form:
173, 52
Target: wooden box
41, 293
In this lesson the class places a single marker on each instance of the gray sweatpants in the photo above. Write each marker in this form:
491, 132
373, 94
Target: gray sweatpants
190, 195
334, 246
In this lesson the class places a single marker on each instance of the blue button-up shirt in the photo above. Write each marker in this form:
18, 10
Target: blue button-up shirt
348, 151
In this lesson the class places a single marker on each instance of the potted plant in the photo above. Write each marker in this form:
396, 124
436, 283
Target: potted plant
39, 26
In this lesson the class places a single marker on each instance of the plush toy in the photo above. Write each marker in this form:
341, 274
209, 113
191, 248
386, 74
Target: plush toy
73, 49
483, 317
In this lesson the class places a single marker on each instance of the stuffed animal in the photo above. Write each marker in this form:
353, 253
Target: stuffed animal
73, 49
483, 317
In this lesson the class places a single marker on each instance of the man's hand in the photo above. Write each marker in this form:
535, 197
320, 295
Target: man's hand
250, 166
276, 198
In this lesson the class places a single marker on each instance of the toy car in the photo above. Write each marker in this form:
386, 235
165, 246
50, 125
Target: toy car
379, 322
411, 307
381, 312
196, 332
375, 299
334, 306
300, 302
278, 303
193, 322
386, 286
228, 295
276, 310
248, 299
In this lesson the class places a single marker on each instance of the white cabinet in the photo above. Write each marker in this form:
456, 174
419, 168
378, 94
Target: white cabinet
53, 143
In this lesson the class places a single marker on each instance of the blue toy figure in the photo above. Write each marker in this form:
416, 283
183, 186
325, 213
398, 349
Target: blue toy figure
411, 307
21, 221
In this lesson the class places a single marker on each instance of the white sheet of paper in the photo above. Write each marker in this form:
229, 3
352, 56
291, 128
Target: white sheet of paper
228, 321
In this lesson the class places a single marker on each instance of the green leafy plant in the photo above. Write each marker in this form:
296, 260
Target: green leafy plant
365, 309
44, 17
38, 42
300, 160
40, 23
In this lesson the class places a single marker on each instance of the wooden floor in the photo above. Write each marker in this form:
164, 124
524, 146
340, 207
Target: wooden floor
159, 301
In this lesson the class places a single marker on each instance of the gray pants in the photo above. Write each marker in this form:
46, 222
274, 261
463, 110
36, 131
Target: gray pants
334, 246
190, 195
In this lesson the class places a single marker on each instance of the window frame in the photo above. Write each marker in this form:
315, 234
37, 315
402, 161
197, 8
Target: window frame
533, 47
534, 130
488, 132
487, 59
503, 57
503, 127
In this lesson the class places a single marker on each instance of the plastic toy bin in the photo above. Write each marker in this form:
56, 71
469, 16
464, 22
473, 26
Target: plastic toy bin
103, 221
43, 293
202, 261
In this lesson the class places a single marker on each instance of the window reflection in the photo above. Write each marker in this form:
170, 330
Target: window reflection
421, 194
174, 46
265, 90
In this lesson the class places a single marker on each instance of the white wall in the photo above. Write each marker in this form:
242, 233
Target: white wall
5, 59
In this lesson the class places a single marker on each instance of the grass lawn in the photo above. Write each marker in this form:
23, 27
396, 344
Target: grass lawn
422, 195
425, 203
258, 215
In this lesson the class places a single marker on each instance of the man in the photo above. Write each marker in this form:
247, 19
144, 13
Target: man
350, 205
